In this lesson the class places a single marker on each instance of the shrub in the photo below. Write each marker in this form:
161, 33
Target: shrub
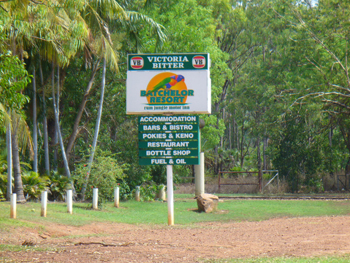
34, 184
58, 186
105, 174
3, 186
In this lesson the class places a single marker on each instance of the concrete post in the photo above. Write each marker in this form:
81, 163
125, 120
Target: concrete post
43, 203
116, 197
137, 194
199, 176
95, 198
161, 192
70, 201
13, 201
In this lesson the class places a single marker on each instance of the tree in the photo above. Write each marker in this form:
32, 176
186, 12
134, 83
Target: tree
13, 79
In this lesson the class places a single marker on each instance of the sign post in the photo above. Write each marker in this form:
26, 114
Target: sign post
168, 84
169, 140
170, 193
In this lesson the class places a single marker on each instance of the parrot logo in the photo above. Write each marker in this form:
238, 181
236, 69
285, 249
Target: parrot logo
166, 83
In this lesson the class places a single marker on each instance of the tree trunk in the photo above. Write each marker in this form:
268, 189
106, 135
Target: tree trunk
66, 167
56, 125
17, 168
35, 126
242, 138
230, 135
264, 153
46, 138
9, 162
98, 121
258, 152
75, 130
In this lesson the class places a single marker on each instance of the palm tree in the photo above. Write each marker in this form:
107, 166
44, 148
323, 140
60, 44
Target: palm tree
111, 11
20, 139
23, 26
13, 79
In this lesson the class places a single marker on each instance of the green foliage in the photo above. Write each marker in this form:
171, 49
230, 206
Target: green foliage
211, 132
148, 192
296, 160
58, 185
13, 78
3, 176
105, 174
34, 184
268, 58
3, 186
124, 190
158, 173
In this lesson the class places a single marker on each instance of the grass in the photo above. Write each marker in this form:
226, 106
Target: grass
18, 248
185, 211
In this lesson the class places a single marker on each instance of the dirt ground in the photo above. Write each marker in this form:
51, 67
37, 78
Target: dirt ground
112, 242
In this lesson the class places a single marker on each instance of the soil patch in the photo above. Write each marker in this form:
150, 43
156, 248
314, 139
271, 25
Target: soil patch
112, 242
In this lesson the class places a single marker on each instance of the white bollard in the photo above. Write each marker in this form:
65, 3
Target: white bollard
116, 197
199, 176
70, 201
95, 198
13, 201
43, 203
161, 192
137, 194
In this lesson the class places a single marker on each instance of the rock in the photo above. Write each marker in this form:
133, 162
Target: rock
207, 203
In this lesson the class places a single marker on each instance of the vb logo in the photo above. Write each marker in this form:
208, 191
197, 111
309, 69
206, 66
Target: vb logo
136, 62
198, 62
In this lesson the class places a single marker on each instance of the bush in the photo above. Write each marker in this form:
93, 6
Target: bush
34, 184
105, 175
3, 186
58, 186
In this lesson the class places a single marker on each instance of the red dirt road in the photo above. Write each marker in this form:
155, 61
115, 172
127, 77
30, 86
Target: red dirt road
104, 242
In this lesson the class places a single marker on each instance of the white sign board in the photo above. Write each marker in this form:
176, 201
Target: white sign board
168, 84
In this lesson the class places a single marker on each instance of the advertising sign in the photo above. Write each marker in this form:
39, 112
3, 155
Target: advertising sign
168, 140
168, 83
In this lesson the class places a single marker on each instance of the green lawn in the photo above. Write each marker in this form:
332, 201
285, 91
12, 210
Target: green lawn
133, 212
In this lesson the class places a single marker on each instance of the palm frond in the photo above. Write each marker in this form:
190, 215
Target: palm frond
3, 112
107, 51
136, 17
23, 133
110, 8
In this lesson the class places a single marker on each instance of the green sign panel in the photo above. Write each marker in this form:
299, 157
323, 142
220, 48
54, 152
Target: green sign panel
168, 140
168, 144
168, 161
169, 127
184, 61
168, 135
168, 153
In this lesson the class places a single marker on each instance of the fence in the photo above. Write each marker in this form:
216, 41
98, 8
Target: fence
259, 178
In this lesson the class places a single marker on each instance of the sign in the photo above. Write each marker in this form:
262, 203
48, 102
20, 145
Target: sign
168, 140
168, 83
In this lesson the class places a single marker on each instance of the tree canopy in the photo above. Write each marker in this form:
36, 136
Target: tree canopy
279, 72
